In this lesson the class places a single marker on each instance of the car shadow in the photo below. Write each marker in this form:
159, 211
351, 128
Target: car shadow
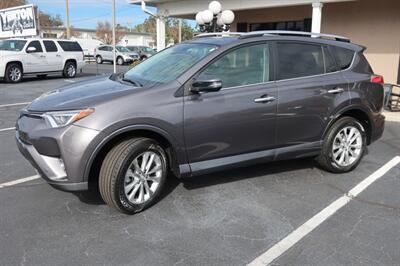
93, 196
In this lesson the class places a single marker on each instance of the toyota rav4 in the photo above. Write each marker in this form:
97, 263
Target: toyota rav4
215, 102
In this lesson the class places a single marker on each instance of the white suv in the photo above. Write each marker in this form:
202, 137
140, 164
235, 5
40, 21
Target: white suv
124, 55
39, 57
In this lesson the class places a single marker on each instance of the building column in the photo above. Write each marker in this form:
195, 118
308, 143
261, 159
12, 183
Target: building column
316, 17
160, 33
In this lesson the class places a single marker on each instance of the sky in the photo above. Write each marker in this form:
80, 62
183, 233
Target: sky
86, 13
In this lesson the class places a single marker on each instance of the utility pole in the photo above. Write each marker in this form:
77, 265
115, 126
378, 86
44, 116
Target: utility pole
113, 37
67, 18
180, 30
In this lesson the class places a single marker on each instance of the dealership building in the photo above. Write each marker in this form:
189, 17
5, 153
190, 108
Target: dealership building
373, 24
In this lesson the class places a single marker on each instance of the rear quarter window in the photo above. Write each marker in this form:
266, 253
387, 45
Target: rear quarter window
70, 46
344, 57
297, 60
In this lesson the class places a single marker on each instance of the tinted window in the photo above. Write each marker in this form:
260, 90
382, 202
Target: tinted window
330, 64
102, 48
70, 46
12, 45
343, 56
169, 63
37, 45
243, 66
50, 46
299, 60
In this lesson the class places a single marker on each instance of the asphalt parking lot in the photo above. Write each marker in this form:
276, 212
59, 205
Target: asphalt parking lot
226, 218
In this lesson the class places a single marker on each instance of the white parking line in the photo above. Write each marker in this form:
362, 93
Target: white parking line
7, 129
13, 104
289, 241
68, 80
19, 181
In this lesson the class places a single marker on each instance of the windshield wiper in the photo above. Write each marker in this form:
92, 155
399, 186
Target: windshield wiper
136, 83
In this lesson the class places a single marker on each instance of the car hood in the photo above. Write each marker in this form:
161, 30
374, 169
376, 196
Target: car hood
6, 53
81, 95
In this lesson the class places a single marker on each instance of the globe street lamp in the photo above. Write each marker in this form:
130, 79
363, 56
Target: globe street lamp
214, 19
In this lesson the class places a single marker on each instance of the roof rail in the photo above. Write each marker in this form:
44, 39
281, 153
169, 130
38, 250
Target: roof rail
220, 34
294, 33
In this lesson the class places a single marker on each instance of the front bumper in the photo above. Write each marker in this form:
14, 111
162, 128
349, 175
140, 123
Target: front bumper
60, 155
49, 168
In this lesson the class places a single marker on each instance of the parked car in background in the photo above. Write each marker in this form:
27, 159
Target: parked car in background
209, 104
143, 51
88, 46
104, 53
39, 57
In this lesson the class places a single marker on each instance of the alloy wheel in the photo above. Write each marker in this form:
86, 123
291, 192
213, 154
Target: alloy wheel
71, 70
347, 146
142, 179
15, 74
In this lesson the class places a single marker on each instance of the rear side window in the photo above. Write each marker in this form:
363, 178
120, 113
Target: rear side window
50, 46
70, 46
243, 66
330, 64
37, 45
299, 60
343, 57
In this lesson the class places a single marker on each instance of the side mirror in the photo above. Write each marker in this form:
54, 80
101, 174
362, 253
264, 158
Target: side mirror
206, 85
31, 49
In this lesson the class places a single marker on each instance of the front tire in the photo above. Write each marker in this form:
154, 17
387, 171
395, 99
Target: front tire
344, 146
13, 73
133, 174
69, 70
120, 61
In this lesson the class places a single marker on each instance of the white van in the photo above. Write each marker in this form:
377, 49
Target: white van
39, 57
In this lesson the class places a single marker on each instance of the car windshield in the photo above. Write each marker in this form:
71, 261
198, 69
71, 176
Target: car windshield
12, 45
169, 63
122, 49
148, 50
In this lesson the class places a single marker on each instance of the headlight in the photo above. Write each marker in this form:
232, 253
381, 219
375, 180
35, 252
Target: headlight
63, 118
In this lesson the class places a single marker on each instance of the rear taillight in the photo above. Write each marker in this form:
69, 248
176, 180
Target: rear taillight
377, 79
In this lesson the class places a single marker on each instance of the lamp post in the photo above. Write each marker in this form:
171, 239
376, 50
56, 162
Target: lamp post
214, 19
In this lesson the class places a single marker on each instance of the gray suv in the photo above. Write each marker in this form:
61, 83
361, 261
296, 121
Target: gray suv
213, 103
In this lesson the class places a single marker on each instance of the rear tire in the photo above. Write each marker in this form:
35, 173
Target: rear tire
13, 73
344, 146
69, 70
133, 174
99, 60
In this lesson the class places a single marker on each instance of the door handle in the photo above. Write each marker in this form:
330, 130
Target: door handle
264, 99
42, 56
336, 90
58, 55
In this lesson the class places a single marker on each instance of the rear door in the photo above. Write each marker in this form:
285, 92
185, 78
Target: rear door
53, 56
310, 89
236, 123
35, 61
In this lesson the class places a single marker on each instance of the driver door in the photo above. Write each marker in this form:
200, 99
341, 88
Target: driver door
238, 122
35, 61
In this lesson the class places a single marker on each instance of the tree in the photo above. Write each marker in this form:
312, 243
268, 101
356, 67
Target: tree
104, 32
48, 20
11, 3
171, 29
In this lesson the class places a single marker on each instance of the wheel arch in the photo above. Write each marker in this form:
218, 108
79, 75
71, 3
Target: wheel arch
360, 114
96, 159
73, 60
14, 62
